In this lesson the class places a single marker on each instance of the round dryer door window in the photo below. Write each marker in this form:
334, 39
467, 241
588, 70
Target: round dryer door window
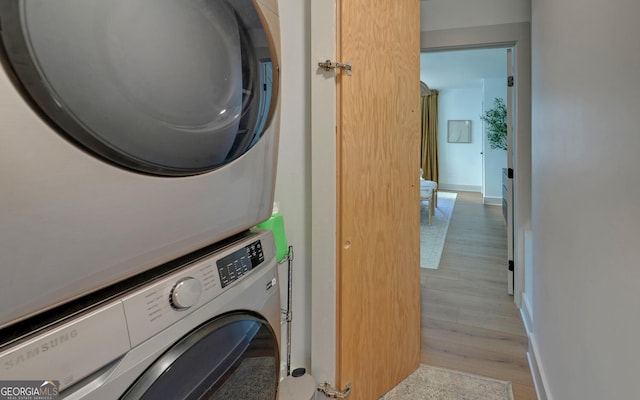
166, 87
233, 357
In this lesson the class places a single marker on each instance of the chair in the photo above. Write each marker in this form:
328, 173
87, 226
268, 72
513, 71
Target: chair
429, 192
426, 194
425, 184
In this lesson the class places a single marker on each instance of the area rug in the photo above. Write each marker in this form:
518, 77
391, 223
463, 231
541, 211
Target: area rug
432, 236
432, 383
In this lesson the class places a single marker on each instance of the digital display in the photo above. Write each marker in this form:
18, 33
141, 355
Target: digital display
240, 262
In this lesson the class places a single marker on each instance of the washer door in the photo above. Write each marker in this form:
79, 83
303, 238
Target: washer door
233, 357
166, 87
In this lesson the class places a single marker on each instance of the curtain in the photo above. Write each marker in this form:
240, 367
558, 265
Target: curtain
429, 141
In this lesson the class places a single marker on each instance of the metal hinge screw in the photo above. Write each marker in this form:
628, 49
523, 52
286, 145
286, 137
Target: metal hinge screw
332, 393
329, 65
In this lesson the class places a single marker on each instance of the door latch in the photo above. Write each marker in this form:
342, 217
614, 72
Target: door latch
332, 393
329, 65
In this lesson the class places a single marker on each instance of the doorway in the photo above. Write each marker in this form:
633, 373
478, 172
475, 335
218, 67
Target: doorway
518, 36
468, 81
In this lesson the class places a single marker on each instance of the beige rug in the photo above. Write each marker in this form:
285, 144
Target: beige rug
432, 236
432, 383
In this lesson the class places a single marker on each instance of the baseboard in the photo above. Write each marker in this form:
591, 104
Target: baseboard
538, 375
525, 312
492, 201
459, 188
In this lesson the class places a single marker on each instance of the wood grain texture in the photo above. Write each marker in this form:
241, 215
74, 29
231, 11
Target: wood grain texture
378, 206
469, 322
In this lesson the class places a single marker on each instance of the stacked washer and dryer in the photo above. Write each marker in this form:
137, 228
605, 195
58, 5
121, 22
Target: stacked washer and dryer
138, 146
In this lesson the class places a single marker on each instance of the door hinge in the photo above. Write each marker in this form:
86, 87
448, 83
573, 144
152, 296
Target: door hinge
332, 393
511, 265
329, 65
510, 173
510, 81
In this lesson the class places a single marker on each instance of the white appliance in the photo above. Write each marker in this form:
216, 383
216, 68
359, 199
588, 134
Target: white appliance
132, 133
210, 329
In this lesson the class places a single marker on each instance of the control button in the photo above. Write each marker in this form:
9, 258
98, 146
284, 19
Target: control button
185, 293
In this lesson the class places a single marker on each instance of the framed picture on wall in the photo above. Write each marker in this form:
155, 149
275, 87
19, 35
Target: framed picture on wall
459, 131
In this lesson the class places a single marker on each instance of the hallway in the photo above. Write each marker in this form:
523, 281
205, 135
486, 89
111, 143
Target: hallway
469, 322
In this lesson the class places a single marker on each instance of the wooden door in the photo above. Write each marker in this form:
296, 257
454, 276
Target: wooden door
378, 207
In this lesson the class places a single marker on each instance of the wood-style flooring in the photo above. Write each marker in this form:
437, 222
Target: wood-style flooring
469, 322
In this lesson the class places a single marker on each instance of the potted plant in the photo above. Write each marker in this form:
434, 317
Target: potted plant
496, 120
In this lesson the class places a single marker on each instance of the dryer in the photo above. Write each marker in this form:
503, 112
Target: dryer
132, 132
210, 329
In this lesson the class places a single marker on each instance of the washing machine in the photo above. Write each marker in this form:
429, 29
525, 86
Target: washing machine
209, 329
132, 133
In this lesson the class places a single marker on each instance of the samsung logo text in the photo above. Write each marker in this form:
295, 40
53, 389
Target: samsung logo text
30, 353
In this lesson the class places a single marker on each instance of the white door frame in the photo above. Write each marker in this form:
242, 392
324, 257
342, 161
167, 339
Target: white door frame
510, 133
323, 193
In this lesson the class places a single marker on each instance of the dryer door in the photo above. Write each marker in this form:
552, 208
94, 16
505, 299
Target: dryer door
232, 357
166, 87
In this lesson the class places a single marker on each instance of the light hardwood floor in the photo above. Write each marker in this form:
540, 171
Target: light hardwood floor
469, 322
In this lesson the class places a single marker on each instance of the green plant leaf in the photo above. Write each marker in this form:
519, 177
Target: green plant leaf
496, 120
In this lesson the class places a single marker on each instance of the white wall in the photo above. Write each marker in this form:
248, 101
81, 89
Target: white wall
494, 159
448, 14
586, 140
293, 182
460, 164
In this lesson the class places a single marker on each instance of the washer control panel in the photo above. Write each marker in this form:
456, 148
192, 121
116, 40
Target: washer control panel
238, 263
169, 299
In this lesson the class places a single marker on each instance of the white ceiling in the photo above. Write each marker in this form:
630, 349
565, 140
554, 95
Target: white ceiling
462, 68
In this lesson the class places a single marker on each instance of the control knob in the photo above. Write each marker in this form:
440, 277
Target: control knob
185, 293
